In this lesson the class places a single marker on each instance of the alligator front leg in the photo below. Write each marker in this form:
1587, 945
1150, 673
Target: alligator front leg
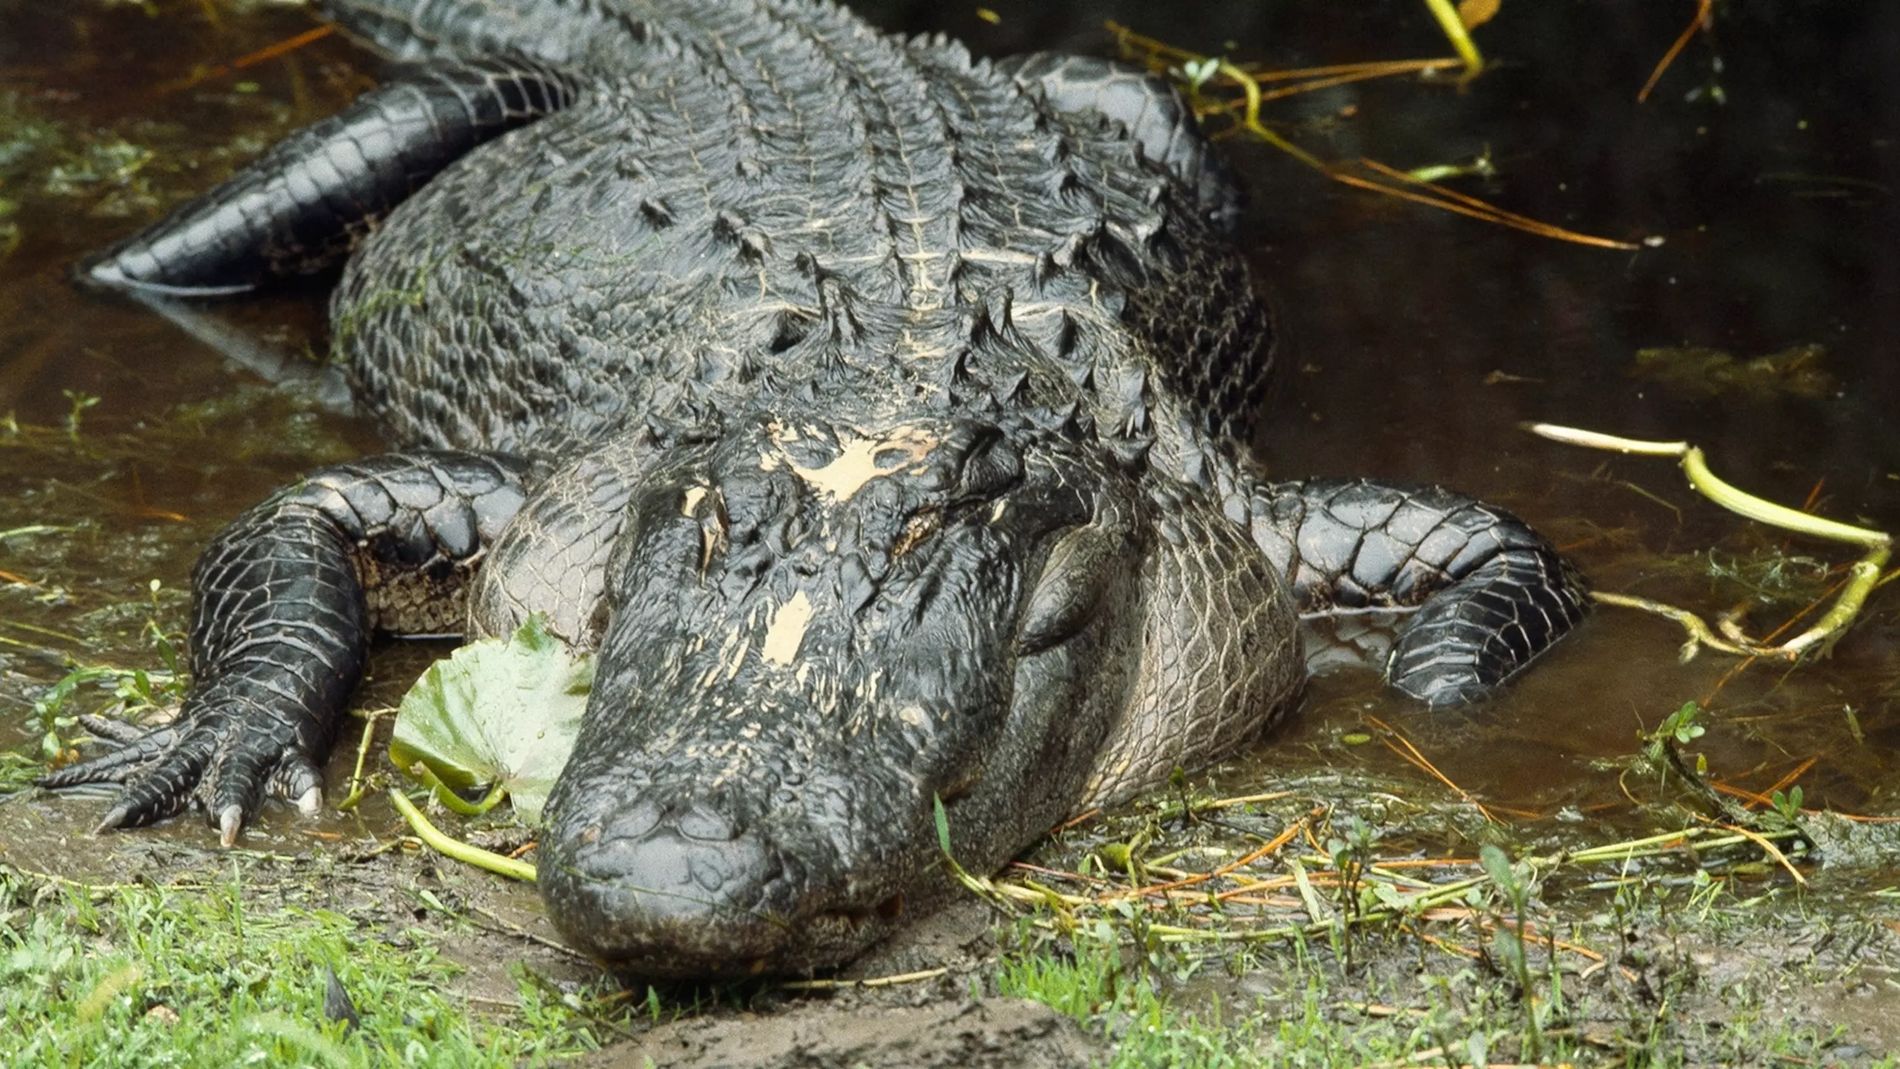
1489, 593
284, 601
305, 203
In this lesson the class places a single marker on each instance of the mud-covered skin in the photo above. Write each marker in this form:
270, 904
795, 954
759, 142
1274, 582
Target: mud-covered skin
872, 411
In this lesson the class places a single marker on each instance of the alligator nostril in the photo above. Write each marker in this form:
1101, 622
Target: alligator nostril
706, 825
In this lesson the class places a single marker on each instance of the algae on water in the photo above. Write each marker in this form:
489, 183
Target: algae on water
1797, 371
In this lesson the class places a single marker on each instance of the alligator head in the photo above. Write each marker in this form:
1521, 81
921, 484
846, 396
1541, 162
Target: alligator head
815, 633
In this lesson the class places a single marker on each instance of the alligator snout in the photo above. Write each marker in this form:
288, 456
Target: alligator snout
679, 889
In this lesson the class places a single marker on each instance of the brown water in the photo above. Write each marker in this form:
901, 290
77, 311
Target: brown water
1414, 342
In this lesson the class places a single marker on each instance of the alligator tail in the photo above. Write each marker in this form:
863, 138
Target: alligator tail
304, 204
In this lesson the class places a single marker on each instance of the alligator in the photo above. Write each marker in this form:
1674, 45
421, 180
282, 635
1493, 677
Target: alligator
876, 413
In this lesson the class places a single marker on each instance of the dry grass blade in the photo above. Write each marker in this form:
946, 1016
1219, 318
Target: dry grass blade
1396, 741
1272, 846
1318, 898
1701, 21
1793, 774
1244, 113
1768, 848
1454, 201
249, 59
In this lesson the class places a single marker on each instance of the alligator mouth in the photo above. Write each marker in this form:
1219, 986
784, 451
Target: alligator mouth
733, 945
884, 914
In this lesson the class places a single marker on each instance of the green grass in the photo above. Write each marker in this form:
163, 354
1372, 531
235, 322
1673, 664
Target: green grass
144, 976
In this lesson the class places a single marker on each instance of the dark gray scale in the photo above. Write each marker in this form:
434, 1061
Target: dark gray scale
1488, 593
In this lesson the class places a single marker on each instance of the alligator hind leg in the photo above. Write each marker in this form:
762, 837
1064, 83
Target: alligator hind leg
284, 601
1489, 593
304, 204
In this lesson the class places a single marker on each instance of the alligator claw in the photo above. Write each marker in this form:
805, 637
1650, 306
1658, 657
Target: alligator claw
149, 794
110, 730
310, 802
298, 781
203, 763
132, 748
114, 818
229, 820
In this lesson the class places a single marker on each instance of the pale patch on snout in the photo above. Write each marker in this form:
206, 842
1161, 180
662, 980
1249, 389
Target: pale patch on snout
859, 460
786, 633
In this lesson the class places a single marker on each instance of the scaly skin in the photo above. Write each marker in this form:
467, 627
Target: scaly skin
873, 411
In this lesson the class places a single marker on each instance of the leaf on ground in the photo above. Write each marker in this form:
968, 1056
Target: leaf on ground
497, 712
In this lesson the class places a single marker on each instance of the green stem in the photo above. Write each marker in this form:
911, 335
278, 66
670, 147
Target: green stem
1864, 574
1746, 504
1459, 35
450, 800
357, 784
455, 848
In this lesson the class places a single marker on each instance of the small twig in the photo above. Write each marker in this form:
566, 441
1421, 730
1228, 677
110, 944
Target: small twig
876, 981
518, 930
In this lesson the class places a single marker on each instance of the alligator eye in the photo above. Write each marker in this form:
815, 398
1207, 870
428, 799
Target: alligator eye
917, 529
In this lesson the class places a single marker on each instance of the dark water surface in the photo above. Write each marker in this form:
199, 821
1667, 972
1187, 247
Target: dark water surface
1413, 343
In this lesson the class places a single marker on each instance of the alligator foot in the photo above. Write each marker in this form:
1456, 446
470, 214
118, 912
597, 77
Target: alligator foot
1487, 593
283, 604
221, 750
303, 205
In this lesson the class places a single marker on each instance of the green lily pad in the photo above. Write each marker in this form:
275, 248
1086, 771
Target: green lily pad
498, 714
